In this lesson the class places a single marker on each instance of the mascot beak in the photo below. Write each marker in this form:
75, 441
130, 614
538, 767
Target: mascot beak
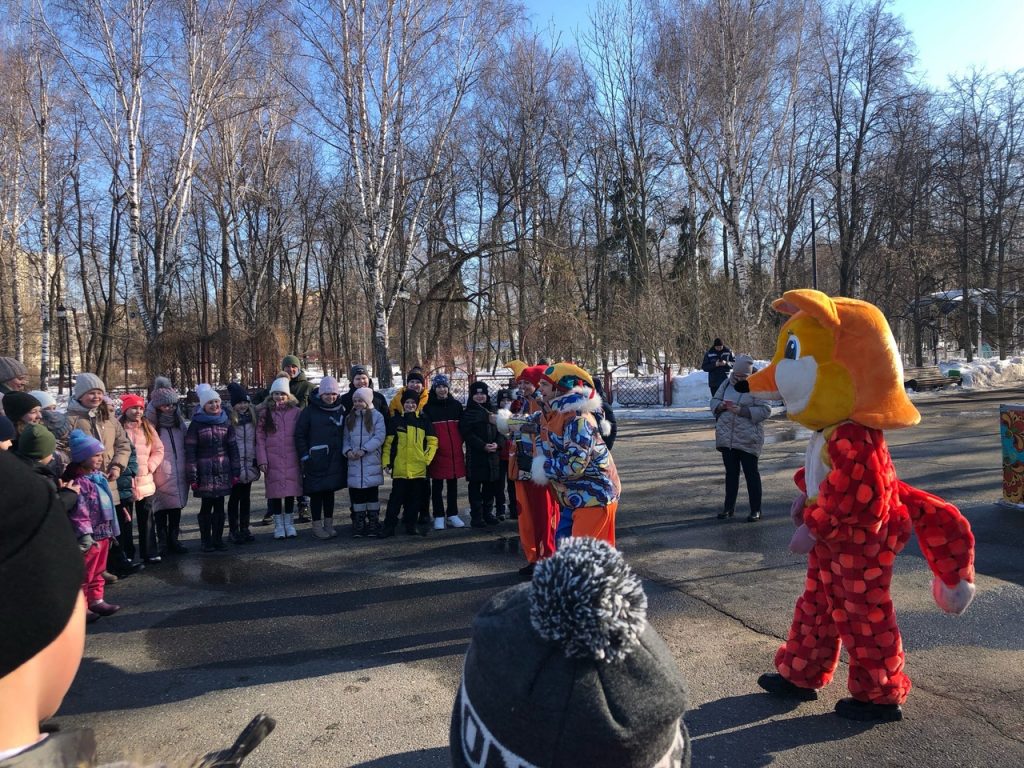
763, 383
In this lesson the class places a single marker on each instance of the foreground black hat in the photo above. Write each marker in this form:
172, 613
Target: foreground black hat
566, 672
40, 564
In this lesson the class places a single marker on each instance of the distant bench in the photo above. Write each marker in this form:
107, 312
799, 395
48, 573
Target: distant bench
927, 377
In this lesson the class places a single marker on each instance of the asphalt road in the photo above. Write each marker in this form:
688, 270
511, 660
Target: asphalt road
355, 646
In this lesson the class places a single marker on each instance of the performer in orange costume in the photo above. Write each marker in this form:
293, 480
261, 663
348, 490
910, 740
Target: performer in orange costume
538, 510
837, 369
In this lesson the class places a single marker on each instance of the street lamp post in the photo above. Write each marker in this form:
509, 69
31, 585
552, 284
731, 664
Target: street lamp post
62, 331
404, 297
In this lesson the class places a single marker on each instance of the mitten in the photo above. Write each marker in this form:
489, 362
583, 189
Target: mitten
953, 600
802, 541
796, 511
86, 542
194, 486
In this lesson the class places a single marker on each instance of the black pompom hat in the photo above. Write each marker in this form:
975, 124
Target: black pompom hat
40, 564
566, 672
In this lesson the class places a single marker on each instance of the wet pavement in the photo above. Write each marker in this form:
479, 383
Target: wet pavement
356, 645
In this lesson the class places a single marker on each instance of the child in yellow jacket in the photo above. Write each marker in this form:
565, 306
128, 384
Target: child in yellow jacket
409, 447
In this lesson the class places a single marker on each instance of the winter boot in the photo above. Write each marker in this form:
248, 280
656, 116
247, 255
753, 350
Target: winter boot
373, 519
359, 523
289, 526
303, 510
318, 530
279, 532
173, 532
329, 527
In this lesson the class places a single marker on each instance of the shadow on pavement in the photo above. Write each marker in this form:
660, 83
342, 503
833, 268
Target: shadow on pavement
420, 758
737, 730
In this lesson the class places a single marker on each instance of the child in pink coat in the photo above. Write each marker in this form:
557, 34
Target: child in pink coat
276, 455
149, 453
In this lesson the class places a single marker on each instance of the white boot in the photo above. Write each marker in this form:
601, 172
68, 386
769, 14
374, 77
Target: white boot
329, 527
279, 532
454, 521
317, 527
438, 523
289, 526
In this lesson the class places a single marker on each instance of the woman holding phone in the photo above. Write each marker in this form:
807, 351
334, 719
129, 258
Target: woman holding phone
739, 436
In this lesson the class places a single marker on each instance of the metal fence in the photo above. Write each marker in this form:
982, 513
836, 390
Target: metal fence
639, 391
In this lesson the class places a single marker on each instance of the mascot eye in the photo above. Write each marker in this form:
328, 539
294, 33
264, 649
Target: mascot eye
792, 351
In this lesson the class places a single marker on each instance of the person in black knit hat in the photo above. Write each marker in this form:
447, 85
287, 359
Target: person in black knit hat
566, 671
43, 615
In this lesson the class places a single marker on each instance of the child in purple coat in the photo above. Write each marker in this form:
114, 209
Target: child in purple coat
93, 517
211, 464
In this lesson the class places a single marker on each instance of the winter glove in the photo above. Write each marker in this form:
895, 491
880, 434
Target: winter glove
235, 481
86, 542
802, 541
195, 487
952, 600
796, 511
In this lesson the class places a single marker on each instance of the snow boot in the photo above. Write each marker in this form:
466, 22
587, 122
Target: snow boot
289, 526
279, 532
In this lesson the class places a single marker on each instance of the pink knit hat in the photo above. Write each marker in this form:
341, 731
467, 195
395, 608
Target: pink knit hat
365, 394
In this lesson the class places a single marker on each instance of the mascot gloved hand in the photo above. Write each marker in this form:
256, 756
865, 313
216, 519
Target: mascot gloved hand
837, 369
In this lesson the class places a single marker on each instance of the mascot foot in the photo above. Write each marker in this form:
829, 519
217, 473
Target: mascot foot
853, 709
779, 686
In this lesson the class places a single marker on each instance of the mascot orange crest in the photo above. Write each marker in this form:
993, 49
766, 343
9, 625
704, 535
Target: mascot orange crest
836, 360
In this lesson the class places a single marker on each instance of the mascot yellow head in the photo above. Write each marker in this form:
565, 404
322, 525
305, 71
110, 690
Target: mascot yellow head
836, 360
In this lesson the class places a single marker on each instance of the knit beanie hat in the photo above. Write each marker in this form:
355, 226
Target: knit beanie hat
281, 384
329, 385
11, 369
7, 430
408, 395
290, 360
237, 393
36, 442
479, 386
206, 394
717, 343
414, 375
440, 380
503, 394
566, 671
45, 398
40, 565
17, 404
744, 365
83, 446
163, 396
85, 382
365, 394
132, 401
357, 370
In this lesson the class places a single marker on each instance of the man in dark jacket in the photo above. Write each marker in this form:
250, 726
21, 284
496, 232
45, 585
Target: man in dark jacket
717, 362
359, 376
300, 387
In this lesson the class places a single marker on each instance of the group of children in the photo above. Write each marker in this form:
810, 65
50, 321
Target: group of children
136, 471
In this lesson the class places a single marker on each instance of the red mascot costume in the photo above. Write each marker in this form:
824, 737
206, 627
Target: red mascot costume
837, 369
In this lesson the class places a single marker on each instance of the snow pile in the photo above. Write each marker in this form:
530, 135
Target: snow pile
988, 374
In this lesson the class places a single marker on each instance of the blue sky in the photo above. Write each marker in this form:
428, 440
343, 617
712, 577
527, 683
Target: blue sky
951, 35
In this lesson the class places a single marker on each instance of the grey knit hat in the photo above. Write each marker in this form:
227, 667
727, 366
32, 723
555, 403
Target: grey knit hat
84, 382
11, 368
566, 671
